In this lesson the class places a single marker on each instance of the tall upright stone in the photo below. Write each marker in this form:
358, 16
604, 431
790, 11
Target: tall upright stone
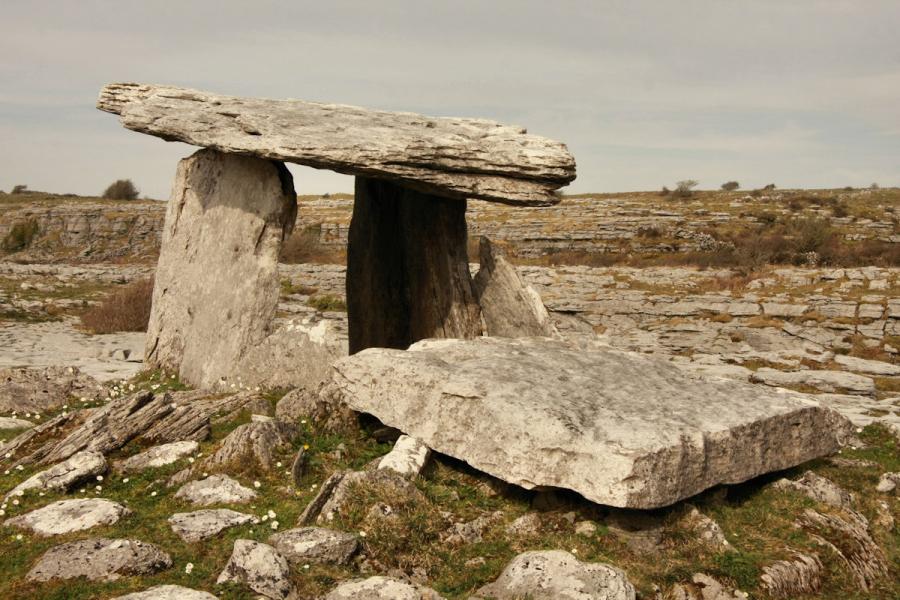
217, 286
407, 268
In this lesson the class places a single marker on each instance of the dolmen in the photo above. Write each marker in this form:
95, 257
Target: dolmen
233, 203
474, 369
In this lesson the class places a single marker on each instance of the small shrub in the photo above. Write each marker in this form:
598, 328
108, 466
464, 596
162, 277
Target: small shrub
665, 191
304, 246
122, 189
874, 186
730, 186
20, 189
126, 309
839, 210
769, 187
685, 188
327, 302
649, 232
20, 236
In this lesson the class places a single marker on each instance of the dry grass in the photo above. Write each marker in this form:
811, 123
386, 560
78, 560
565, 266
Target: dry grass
304, 246
126, 309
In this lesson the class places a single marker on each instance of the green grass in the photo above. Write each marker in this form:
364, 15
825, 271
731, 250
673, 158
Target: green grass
757, 519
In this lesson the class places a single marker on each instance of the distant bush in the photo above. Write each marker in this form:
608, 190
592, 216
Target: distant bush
685, 188
665, 191
730, 186
649, 232
122, 189
769, 187
20, 236
304, 246
839, 210
327, 302
874, 186
126, 309
20, 189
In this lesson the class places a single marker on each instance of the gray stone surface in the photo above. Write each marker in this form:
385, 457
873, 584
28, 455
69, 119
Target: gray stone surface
618, 428
308, 545
801, 575
99, 559
870, 367
256, 442
13, 423
65, 475
215, 489
820, 489
260, 567
380, 587
826, 381
39, 389
509, 307
159, 456
67, 516
168, 592
217, 285
849, 539
557, 575
202, 524
407, 458
459, 158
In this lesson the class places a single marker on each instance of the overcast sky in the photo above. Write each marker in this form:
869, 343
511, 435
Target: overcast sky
799, 93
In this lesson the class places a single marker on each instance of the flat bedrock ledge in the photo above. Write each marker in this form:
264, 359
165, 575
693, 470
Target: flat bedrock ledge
619, 428
451, 157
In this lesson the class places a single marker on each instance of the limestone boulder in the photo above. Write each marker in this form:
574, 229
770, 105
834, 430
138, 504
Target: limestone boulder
619, 428
203, 524
159, 456
308, 545
820, 489
65, 475
217, 286
509, 306
407, 458
260, 567
13, 423
168, 592
67, 516
257, 442
40, 389
381, 588
557, 575
99, 559
215, 489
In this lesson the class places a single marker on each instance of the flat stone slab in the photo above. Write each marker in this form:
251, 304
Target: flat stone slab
159, 456
67, 516
64, 475
168, 592
309, 545
99, 559
617, 427
827, 381
382, 588
457, 158
215, 489
202, 524
260, 567
13, 423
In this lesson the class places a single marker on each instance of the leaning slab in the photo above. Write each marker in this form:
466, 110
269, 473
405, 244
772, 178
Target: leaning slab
99, 559
619, 428
456, 158
67, 516
159, 456
65, 475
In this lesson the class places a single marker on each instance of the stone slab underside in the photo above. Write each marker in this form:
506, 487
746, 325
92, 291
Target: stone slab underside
407, 268
619, 428
456, 158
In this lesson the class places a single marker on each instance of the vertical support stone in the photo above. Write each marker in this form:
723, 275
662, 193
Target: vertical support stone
407, 268
217, 284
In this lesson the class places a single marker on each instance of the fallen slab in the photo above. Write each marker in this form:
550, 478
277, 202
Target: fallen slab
619, 428
202, 524
456, 158
67, 516
99, 559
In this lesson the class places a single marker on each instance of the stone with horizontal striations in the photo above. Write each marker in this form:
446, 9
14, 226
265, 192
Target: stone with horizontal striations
202, 524
65, 475
13, 423
159, 456
99, 559
871, 367
67, 516
619, 428
827, 381
457, 158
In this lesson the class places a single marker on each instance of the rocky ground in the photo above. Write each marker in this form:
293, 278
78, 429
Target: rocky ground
117, 481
